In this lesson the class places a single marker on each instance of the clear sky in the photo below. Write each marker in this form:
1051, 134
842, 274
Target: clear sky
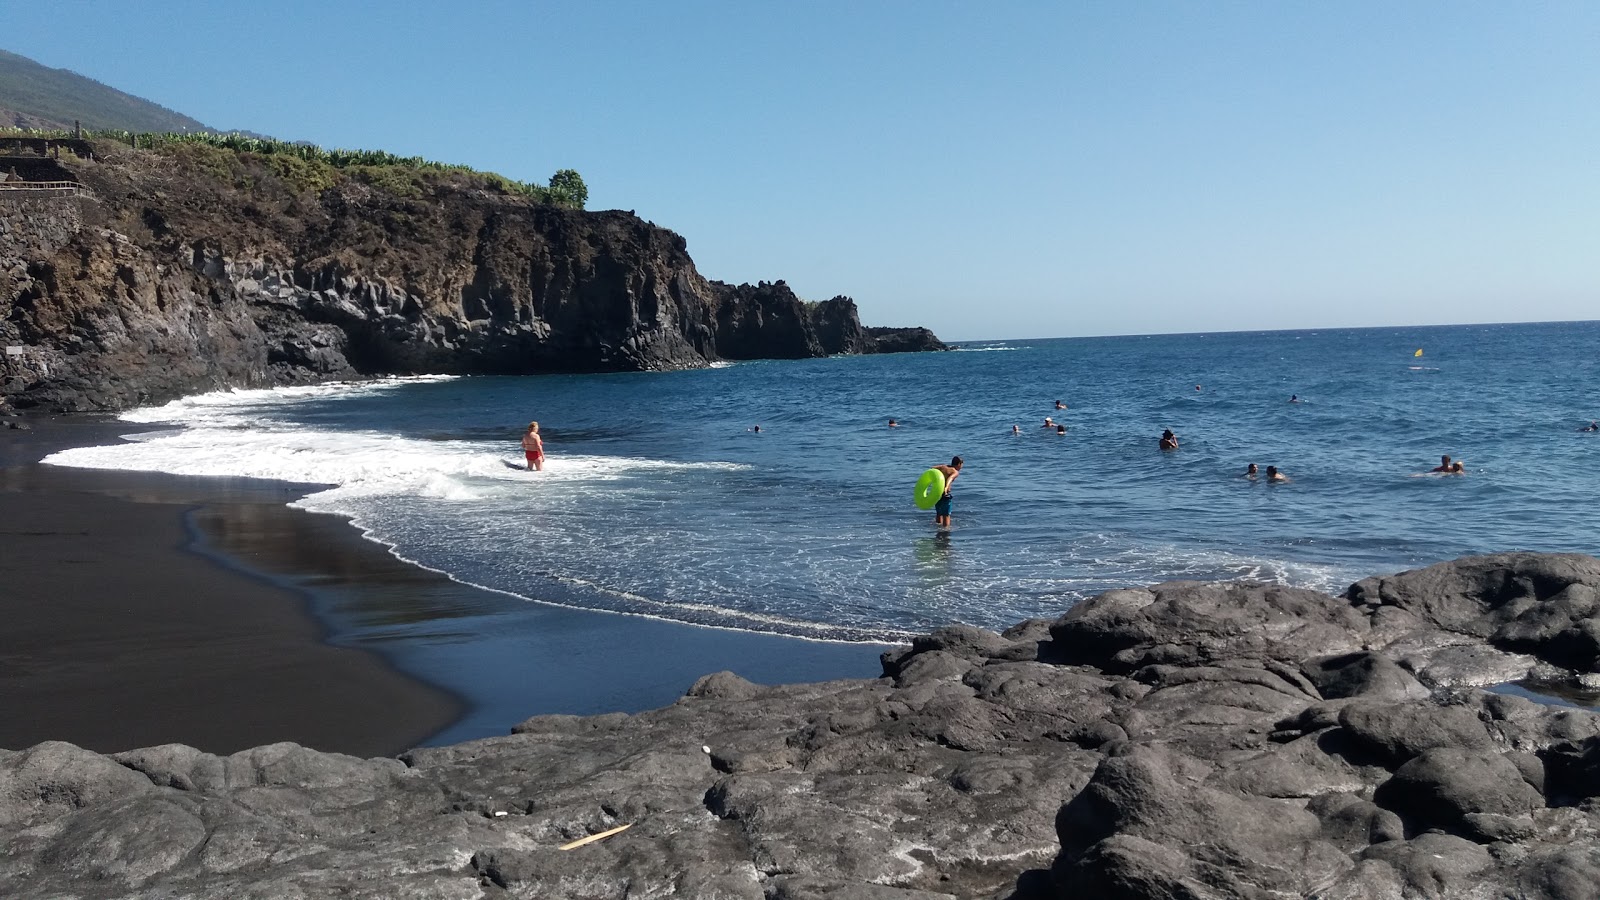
987, 169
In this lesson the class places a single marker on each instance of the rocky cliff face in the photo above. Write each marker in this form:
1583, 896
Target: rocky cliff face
194, 268
768, 321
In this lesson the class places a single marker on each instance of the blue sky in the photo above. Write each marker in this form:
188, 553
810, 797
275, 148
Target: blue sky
990, 170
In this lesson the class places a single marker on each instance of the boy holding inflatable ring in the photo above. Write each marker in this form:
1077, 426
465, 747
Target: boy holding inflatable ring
941, 510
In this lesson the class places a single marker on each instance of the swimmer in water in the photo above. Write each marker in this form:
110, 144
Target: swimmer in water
1048, 422
1274, 476
1016, 430
1252, 472
893, 424
1169, 441
1592, 426
1295, 398
1061, 429
1060, 405
533, 448
1456, 468
1444, 464
756, 429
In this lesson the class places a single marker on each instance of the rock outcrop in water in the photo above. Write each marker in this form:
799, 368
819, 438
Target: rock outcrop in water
1187, 740
196, 268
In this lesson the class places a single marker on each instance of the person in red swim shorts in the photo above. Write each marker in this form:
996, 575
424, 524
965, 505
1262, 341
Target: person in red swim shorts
533, 448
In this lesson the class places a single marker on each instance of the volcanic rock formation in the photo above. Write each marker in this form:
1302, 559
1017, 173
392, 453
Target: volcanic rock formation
195, 268
1186, 740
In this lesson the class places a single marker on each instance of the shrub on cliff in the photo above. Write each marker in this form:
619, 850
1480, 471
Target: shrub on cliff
307, 167
567, 189
212, 160
312, 175
394, 180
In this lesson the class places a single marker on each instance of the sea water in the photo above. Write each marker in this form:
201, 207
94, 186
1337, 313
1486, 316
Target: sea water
658, 499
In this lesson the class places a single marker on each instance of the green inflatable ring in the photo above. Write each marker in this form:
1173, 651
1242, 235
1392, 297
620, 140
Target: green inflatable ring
930, 487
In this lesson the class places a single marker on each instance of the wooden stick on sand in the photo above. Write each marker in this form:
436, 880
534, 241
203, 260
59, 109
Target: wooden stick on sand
596, 837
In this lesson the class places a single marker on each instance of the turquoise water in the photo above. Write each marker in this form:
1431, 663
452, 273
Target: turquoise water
658, 500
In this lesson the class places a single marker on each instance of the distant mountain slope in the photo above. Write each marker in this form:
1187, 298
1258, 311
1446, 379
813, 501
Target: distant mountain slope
37, 96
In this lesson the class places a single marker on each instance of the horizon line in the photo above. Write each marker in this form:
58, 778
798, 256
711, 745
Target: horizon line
1069, 337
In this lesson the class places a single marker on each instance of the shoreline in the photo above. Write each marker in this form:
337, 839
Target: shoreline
334, 642
120, 635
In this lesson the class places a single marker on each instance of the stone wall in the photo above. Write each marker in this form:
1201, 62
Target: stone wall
33, 225
35, 168
36, 223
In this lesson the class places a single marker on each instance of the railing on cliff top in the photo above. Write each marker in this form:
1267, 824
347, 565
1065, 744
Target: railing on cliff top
48, 188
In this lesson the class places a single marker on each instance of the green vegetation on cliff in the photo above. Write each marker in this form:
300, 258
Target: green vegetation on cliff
307, 167
38, 101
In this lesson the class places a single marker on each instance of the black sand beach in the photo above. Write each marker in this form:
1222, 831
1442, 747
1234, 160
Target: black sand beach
145, 609
116, 636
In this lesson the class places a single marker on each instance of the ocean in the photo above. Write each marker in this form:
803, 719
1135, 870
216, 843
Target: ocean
659, 500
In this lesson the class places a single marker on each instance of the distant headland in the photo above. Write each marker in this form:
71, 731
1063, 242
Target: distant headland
138, 268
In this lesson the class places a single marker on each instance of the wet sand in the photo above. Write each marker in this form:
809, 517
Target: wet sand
146, 609
116, 636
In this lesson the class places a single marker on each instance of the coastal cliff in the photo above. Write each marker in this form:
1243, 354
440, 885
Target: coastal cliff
1187, 740
192, 268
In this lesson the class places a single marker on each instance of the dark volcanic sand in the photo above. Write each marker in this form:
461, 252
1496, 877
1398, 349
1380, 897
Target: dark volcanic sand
116, 636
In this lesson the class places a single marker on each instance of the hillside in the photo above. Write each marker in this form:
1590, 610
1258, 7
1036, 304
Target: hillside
37, 96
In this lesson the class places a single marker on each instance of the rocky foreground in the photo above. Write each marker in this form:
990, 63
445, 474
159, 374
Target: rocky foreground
1186, 740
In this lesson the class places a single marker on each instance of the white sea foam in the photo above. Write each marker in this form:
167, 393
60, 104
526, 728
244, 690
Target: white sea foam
1112, 562
374, 477
226, 435
712, 615
361, 463
218, 405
